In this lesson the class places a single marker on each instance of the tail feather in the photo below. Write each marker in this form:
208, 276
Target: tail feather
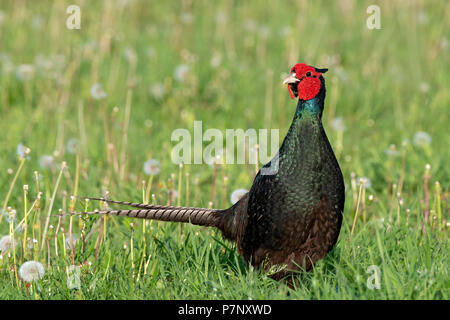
197, 216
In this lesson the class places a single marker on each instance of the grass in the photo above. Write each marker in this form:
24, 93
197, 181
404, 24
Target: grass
386, 86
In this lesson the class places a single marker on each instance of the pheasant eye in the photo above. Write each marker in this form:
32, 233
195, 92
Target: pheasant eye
308, 74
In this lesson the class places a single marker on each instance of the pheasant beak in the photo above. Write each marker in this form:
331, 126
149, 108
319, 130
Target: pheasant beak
291, 79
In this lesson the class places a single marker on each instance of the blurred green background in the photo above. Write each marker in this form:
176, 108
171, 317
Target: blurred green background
222, 62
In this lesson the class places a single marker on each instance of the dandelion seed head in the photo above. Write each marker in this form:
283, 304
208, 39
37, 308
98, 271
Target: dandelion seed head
72, 146
421, 139
391, 151
181, 72
364, 181
22, 151
25, 72
157, 90
237, 194
148, 123
338, 124
46, 162
424, 87
130, 54
152, 167
186, 18
216, 59
285, 31
9, 215
97, 92
5, 243
31, 271
36, 22
250, 25
422, 18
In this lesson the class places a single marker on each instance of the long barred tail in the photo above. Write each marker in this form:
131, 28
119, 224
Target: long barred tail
198, 216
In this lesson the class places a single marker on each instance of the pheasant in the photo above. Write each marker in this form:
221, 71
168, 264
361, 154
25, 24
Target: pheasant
292, 214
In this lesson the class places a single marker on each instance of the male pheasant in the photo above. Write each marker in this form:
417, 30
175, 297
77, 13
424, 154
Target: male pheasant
292, 215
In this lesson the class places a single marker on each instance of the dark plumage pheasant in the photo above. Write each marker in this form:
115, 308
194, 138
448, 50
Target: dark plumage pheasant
292, 215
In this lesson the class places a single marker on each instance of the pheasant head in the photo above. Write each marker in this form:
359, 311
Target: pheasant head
304, 81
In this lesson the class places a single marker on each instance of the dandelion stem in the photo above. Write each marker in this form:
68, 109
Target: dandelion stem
11, 234
196, 191
213, 187
63, 166
187, 190
126, 122
426, 179
25, 191
361, 182
438, 205
11, 187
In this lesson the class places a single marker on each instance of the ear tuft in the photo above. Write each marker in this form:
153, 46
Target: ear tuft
321, 70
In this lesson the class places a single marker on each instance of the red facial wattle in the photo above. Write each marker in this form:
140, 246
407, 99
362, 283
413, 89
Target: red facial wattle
308, 88
309, 85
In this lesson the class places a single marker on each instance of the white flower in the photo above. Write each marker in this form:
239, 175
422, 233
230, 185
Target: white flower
152, 167
157, 90
237, 195
46, 162
181, 72
97, 91
365, 182
422, 138
31, 271
72, 145
5, 243
338, 124
25, 72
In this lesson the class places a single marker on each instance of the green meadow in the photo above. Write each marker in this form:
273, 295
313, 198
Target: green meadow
91, 111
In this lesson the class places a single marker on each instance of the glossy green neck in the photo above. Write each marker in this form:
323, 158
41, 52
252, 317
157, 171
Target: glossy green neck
306, 127
309, 108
